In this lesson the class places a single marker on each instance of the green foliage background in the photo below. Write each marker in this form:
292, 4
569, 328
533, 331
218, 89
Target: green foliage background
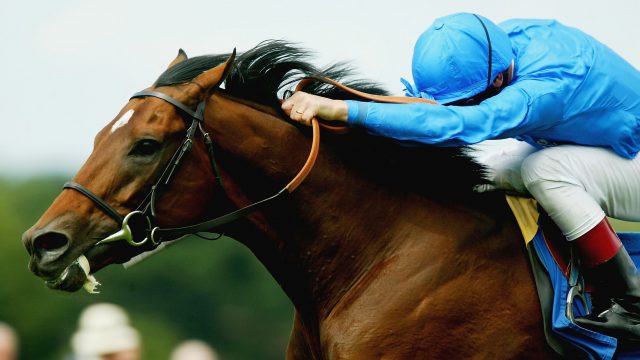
213, 291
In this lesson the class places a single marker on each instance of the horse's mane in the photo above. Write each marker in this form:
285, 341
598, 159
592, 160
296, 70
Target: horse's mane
272, 67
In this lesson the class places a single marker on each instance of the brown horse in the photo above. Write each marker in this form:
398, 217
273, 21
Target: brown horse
385, 249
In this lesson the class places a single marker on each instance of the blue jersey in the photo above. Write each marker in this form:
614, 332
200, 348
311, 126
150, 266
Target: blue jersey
567, 88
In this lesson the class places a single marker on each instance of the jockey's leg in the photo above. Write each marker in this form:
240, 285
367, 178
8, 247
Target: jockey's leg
577, 186
503, 159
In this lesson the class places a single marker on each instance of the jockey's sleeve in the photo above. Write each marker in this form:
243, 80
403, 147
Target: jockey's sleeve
520, 108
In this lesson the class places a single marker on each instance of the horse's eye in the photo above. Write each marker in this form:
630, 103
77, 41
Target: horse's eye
145, 147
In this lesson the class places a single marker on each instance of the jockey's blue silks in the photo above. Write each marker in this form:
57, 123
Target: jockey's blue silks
567, 88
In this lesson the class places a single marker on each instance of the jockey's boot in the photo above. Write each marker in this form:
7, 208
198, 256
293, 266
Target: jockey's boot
607, 265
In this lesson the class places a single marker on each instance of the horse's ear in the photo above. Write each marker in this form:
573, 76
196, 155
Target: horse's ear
182, 56
212, 78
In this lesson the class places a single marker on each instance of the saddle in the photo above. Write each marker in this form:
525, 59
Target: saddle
562, 292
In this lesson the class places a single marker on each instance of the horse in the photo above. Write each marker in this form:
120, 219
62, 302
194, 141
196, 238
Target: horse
386, 249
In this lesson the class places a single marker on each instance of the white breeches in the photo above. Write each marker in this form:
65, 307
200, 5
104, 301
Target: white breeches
576, 185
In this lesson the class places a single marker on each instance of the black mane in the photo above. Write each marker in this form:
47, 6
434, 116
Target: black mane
267, 70
261, 73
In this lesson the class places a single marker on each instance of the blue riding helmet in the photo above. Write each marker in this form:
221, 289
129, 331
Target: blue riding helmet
457, 57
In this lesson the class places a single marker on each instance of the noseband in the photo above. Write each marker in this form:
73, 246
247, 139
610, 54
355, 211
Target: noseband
139, 226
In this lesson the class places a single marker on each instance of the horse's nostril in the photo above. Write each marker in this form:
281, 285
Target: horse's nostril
49, 241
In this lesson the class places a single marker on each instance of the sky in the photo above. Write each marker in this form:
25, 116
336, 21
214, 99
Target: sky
69, 66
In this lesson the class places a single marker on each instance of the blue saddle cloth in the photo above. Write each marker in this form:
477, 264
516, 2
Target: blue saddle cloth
594, 345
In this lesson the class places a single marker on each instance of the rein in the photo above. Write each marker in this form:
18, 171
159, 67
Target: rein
138, 227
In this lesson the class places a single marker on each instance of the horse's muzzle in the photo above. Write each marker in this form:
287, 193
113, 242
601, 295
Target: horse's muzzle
46, 248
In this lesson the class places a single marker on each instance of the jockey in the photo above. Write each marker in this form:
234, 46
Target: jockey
575, 101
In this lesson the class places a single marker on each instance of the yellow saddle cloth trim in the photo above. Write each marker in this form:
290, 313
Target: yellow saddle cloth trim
526, 212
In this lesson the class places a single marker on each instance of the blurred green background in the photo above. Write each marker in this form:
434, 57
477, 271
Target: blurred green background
213, 291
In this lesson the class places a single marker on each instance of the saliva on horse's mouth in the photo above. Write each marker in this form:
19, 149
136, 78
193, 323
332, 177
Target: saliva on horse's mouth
79, 270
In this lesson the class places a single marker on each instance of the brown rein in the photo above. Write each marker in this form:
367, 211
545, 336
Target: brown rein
315, 124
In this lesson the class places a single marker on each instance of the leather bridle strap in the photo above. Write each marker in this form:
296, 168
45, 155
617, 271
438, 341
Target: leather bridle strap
366, 96
315, 124
96, 199
166, 175
197, 115
159, 235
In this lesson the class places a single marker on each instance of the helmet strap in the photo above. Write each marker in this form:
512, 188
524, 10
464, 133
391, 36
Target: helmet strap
486, 32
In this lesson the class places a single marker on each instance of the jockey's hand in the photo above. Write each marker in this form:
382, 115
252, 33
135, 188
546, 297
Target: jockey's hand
302, 107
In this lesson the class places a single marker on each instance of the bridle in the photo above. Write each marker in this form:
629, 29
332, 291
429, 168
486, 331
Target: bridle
139, 226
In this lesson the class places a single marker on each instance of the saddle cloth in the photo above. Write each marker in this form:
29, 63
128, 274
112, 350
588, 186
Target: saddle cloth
566, 338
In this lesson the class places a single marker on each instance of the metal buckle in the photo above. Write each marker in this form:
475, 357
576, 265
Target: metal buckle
140, 225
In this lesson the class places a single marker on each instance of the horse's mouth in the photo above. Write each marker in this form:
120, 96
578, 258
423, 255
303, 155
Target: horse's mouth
79, 274
75, 276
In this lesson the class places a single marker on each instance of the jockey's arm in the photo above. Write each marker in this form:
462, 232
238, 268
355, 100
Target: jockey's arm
515, 111
518, 109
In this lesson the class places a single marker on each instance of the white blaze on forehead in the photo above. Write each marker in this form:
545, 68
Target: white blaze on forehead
124, 119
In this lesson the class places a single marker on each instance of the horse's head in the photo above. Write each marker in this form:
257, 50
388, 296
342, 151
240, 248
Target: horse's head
129, 184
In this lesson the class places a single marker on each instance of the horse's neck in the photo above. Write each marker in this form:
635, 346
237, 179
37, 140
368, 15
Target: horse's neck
339, 229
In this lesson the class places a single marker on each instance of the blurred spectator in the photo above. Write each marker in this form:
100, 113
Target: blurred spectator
8, 342
194, 350
104, 333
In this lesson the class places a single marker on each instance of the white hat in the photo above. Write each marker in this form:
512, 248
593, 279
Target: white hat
103, 329
194, 350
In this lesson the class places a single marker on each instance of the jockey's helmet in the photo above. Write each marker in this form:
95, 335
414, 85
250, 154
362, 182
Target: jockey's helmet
457, 57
